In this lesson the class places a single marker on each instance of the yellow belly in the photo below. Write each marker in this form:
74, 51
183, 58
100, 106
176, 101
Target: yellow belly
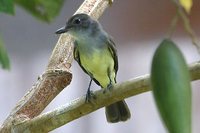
99, 64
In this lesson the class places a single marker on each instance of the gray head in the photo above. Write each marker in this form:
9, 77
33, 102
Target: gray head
80, 24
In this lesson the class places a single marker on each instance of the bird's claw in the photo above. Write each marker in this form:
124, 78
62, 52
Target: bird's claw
89, 95
109, 87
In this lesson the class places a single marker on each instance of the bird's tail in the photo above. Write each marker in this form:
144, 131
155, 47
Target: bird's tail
118, 111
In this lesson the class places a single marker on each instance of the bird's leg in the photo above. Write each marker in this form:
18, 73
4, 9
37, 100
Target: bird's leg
88, 95
109, 87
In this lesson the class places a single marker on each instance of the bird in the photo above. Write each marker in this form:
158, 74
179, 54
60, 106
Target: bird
96, 53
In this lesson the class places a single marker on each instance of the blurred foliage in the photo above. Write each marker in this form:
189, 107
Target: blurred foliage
7, 6
170, 80
4, 60
45, 10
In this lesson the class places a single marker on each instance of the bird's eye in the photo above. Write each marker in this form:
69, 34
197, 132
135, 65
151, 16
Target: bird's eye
77, 21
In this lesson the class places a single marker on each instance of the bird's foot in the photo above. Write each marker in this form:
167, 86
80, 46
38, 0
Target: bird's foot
109, 87
89, 95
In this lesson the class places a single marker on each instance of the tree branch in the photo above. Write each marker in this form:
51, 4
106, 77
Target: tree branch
56, 76
186, 22
78, 108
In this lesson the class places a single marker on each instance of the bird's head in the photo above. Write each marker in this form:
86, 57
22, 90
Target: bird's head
79, 25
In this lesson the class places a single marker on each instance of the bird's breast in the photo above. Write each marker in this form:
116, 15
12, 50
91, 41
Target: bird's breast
98, 62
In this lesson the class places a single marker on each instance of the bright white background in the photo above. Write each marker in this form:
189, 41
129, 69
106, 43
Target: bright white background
137, 28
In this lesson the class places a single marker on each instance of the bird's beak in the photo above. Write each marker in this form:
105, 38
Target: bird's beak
61, 30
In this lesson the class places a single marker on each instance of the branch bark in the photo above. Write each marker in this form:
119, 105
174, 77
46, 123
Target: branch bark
56, 76
78, 108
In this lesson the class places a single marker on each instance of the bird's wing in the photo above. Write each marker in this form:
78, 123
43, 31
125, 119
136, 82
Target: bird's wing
113, 51
77, 57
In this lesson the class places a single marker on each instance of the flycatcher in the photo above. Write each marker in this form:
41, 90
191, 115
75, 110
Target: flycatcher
96, 54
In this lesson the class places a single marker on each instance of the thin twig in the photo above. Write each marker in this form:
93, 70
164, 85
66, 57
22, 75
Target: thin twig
172, 26
187, 25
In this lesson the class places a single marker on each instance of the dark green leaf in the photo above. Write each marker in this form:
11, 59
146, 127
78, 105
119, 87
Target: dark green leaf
171, 86
45, 10
7, 6
4, 59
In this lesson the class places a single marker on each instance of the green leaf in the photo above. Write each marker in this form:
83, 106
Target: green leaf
45, 10
7, 6
4, 59
171, 86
